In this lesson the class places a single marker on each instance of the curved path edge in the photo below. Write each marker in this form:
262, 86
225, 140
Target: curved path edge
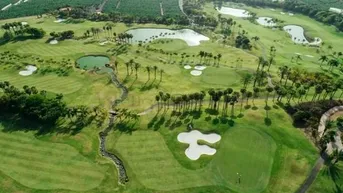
122, 175
324, 156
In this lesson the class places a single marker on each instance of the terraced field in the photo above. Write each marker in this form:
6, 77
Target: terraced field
43, 165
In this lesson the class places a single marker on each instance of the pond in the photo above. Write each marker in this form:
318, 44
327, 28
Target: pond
145, 35
298, 36
266, 21
233, 12
92, 62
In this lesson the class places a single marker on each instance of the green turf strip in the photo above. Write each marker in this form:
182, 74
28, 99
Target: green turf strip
42, 165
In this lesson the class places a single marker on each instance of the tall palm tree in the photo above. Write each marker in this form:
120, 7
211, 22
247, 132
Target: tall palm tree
137, 66
269, 90
161, 74
323, 59
148, 69
256, 91
243, 91
155, 70
248, 95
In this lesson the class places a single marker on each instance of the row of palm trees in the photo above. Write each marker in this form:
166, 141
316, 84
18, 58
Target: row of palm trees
132, 65
207, 56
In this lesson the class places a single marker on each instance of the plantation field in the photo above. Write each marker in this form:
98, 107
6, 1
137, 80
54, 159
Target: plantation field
149, 8
35, 7
325, 4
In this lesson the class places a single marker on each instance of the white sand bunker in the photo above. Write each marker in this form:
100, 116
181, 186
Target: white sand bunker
200, 67
53, 42
59, 20
29, 70
233, 12
187, 67
24, 23
310, 56
196, 72
103, 43
194, 151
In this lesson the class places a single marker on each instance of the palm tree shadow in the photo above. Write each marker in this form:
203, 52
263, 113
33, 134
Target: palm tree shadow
333, 171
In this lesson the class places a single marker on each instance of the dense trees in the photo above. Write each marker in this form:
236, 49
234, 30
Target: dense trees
69, 34
34, 105
20, 30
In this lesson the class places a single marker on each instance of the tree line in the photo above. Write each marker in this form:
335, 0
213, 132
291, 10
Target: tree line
19, 30
31, 104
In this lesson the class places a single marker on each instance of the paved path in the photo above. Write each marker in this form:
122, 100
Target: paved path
330, 147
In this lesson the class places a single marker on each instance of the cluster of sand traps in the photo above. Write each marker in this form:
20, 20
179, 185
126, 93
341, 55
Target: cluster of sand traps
29, 70
233, 12
187, 67
297, 33
53, 42
59, 20
198, 70
194, 151
266, 21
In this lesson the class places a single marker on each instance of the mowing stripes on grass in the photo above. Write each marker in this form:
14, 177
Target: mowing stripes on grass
42, 165
51, 83
154, 165
61, 49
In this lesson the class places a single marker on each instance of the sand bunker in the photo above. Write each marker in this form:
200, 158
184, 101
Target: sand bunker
187, 67
310, 56
233, 12
196, 72
282, 13
103, 43
29, 70
53, 42
24, 23
200, 67
194, 151
59, 20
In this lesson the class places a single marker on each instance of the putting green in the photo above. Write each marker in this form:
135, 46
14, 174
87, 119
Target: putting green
42, 165
156, 168
248, 153
91, 62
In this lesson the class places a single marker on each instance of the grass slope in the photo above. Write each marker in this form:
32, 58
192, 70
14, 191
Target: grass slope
42, 165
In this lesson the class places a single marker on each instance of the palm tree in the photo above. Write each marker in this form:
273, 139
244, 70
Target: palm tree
323, 59
233, 101
248, 95
148, 69
243, 91
255, 95
269, 90
155, 70
297, 58
333, 63
157, 98
127, 68
161, 74
137, 66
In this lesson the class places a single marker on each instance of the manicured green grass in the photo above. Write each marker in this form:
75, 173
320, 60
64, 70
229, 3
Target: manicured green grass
51, 83
273, 158
43, 165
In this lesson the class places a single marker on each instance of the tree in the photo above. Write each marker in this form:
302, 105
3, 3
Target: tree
243, 91
249, 94
269, 90
161, 74
155, 70
157, 98
137, 66
246, 80
323, 59
148, 69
